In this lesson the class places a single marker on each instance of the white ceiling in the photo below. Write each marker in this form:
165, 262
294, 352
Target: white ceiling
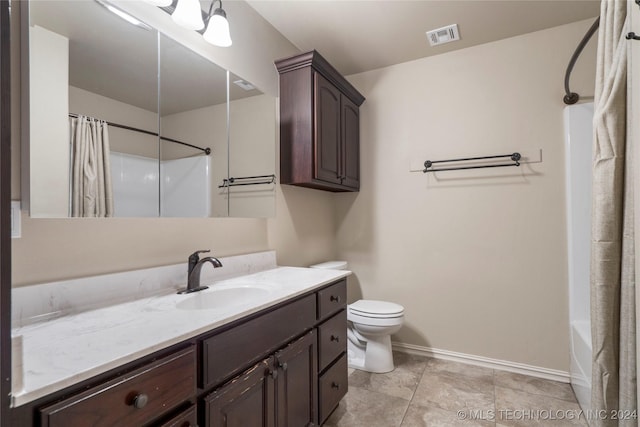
361, 35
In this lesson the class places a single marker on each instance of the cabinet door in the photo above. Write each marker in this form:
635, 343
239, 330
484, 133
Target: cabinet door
247, 400
297, 383
327, 131
350, 149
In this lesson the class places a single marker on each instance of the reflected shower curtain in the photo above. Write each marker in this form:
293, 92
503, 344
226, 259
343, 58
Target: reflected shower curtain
91, 189
612, 248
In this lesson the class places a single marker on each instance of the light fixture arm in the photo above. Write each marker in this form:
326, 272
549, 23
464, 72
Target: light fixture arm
211, 9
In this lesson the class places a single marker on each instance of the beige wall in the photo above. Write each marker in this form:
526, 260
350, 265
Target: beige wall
477, 258
49, 129
252, 153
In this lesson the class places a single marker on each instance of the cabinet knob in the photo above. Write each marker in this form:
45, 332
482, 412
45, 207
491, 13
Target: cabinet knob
335, 338
334, 298
283, 365
140, 401
335, 385
273, 373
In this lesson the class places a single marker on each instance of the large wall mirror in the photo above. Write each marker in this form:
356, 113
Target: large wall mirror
126, 122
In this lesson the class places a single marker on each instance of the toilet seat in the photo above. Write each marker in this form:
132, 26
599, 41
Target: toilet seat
376, 309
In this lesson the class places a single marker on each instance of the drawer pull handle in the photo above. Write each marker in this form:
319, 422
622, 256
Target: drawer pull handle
334, 298
140, 401
335, 338
335, 385
283, 365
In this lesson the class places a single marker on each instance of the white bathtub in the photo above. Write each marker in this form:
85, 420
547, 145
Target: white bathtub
581, 362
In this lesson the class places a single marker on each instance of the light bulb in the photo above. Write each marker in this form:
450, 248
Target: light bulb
188, 15
218, 29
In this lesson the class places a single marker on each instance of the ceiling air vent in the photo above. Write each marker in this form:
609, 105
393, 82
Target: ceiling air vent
443, 35
244, 85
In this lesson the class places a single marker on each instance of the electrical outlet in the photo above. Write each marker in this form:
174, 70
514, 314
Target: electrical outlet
16, 222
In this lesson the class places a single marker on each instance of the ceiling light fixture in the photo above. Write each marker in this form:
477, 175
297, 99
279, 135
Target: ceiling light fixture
188, 15
124, 15
218, 27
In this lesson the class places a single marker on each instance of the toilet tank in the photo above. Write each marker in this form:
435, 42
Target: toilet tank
331, 265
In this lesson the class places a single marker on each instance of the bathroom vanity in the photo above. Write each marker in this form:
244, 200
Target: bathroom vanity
277, 357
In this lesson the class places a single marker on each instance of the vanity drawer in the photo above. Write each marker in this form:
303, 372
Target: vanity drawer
332, 299
133, 399
332, 339
231, 351
186, 418
332, 387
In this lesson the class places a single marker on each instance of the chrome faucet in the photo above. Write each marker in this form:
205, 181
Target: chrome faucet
195, 266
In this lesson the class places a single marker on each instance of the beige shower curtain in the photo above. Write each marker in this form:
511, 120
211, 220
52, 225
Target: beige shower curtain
91, 190
612, 248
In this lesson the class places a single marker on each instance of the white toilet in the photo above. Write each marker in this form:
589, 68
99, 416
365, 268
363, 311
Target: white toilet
370, 325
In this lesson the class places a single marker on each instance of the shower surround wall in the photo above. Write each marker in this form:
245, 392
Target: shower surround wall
184, 191
578, 122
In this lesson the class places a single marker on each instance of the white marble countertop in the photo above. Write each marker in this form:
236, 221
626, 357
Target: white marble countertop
69, 349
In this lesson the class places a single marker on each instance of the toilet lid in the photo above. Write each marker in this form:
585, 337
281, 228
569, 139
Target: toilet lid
374, 308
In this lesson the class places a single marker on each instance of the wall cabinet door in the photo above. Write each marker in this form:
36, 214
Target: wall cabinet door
350, 149
327, 131
248, 400
297, 383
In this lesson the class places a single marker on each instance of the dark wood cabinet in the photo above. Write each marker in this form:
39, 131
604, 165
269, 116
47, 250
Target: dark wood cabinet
134, 399
332, 386
275, 368
186, 418
228, 353
297, 383
328, 135
350, 143
248, 400
319, 125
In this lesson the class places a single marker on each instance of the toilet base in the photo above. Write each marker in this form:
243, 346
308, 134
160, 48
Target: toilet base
376, 356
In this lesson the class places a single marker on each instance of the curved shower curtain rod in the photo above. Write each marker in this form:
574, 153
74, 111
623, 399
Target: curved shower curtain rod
572, 97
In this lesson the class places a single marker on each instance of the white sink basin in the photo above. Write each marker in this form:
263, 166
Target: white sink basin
223, 298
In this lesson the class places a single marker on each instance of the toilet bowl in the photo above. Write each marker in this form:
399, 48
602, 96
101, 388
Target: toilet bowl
370, 324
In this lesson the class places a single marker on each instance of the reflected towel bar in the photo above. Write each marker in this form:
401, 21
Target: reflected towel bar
515, 157
262, 179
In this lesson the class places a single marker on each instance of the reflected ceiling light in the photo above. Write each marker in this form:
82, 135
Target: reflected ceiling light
218, 27
188, 15
160, 3
122, 14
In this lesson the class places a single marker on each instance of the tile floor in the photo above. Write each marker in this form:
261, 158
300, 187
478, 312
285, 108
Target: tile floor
430, 392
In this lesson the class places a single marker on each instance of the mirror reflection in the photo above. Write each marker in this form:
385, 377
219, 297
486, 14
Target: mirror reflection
193, 122
82, 124
127, 122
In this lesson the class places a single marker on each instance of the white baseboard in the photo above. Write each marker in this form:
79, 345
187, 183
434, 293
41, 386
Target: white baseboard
486, 362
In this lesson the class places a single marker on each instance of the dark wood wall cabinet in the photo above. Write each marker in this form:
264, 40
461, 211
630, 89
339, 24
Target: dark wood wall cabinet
319, 125
285, 366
